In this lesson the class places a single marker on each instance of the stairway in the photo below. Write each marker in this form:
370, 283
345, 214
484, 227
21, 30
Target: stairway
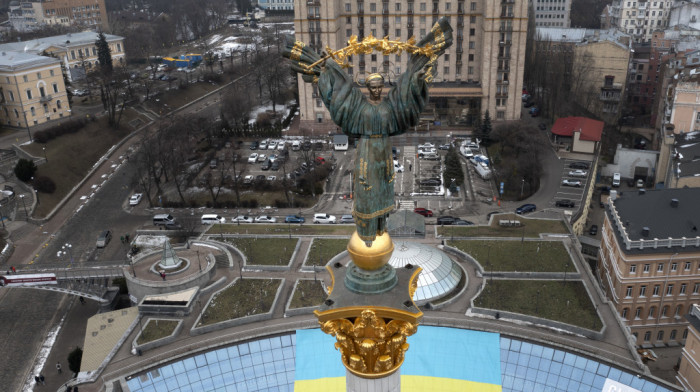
408, 205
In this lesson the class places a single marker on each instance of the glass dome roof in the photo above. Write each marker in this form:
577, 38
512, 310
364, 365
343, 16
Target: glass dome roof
440, 274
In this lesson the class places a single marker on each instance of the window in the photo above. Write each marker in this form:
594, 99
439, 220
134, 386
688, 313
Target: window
609, 80
687, 265
348, 32
119, 48
446, 70
643, 291
685, 333
38, 75
629, 292
373, 57
422, 6
472, 45
12, 96
29, 94
72, 54
319, 117
660, 335
678, 310
58, 104
672, 335
51, 72
660, 267
373, 7
398, 33
633, 269
664, 311
42, 91
448, 6
372, 20
696, 288
674, 267
683, 288
647, 336
32, 111
624, 313
398, 6
55, 88
46, 108
669, 289
25, 78
652, 310
638, 313
470, 70
472, 19
471, 57
348, 7
472, 6
656, 290
647, 267
472, 32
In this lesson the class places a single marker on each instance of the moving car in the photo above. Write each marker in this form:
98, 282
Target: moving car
423, 211
616, 179
265, 219
294, 219
104, 238
324, 218
210, 219
593, 230
253, 157
579, 165
347, 219
446, 220
135, 199
525, 208
565, 203
567, 182
578, 173
398, 167
243, 219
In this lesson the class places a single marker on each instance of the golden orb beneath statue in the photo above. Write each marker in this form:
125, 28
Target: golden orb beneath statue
373, 257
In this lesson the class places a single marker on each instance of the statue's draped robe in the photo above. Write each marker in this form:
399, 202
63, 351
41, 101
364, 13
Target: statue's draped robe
373, 124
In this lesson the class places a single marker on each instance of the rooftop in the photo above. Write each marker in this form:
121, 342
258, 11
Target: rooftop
591, 130
687, 154
38, 45
10, 61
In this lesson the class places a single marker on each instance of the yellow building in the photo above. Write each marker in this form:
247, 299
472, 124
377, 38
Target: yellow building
32, 89
685, 107
648, 261
689, 369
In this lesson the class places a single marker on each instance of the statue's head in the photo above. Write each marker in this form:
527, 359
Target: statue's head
375, 83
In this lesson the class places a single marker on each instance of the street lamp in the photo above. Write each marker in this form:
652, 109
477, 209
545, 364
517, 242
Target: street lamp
522, 188
2, 218
66, 250
27, 124
45, 157
24, 204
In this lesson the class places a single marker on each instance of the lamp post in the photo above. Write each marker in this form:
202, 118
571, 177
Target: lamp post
537, 303
2, 218
45, 157
26, 123
522, 188
24, 204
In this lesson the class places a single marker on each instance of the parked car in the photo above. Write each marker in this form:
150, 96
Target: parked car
213, 163
320, 160
526, 97
262, 158
429, 155
525, 208
426, 146
242, 219
324, 218
430, 182
265, 219
444, 146
398, 167
423, 211
534, 111
347, 219
281, 145
253, 157
529, 104
263, 145
579, 165
247, 180
593, 230
275, 165
446, 220
294, 219
135, 199
578, 173
272, 145
567, 182
266, 165
616, 179
462, 222
103, 239
254, 145
565, 203
640, 183
271, 178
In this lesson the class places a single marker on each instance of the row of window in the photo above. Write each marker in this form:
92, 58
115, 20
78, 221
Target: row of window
10, 96
397, 6
657, 289
660, 4
93, 49
32, 110
660, 335
687, 266
652, 312
85, 8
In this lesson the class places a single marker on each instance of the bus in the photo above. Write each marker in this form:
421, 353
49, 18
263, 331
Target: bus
27, 280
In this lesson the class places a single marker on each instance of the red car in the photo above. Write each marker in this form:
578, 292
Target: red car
423, 211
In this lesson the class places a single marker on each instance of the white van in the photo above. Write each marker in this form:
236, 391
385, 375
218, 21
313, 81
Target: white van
210, 219
616, 179
296, 145
163, 219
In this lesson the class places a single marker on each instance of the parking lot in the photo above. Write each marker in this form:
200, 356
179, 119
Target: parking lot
572, 185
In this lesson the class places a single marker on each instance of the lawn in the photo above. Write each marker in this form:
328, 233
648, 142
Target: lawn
156, 329
292, 229
265, 251
71, 156
308, 293
553, 300
246, 297
520, 256
324, 249
531, 228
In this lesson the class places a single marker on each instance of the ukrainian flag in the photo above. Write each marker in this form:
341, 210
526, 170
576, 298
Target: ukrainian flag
438, 359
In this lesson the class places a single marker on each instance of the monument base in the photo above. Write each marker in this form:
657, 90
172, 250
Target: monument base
390, 383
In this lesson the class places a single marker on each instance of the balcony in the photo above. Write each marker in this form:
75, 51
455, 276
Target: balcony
45, 98
460, 11
504, 43
460, 24
507, 15
409, 12
312, 16
385, 11
385, 26
313, 2
409, 25
361, 12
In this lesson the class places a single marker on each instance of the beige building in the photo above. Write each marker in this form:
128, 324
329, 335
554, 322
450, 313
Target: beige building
649, 261
482, 70
638, 18
552, 13
32, 89
689, 369
31, 15
685, 109
77, 51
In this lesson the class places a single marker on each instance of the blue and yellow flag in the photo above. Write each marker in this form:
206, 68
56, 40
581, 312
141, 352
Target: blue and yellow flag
438, 359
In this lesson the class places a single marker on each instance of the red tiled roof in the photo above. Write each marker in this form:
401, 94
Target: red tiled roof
591, 130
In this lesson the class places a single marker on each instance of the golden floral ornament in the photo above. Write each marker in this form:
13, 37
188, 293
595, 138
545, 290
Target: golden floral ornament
370, 347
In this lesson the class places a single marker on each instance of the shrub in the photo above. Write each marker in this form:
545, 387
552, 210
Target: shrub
44, 184
25, 169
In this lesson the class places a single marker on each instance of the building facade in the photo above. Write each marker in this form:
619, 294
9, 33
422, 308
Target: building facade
32, 90
552, 13
483, 70
649, 261
30, 15
276, 4
689, 369
638, 18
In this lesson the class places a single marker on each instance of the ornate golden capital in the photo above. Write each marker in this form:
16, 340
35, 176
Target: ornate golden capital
370, 347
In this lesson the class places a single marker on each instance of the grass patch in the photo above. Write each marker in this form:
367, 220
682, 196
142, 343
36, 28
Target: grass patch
322, 250
292, 229
564, 302
71, 156
531, 228
308, 293
246, 297
265, 251
519, 256
156, 329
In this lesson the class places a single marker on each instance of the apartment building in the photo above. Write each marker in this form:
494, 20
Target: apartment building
649, 261
689, 368
276, 4
550, 13
30, 15
638, 18
483, 70
32, 90
77, 51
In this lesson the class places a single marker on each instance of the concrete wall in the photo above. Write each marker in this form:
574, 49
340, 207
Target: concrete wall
288, 312
627, 159
160, 342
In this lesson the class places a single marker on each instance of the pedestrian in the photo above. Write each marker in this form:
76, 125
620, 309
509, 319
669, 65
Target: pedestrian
75, 388
14, 271
69, 389
127, 237
41, 378
36, 379
410, 166
121, 239
82, 300
58, 367
162, 274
